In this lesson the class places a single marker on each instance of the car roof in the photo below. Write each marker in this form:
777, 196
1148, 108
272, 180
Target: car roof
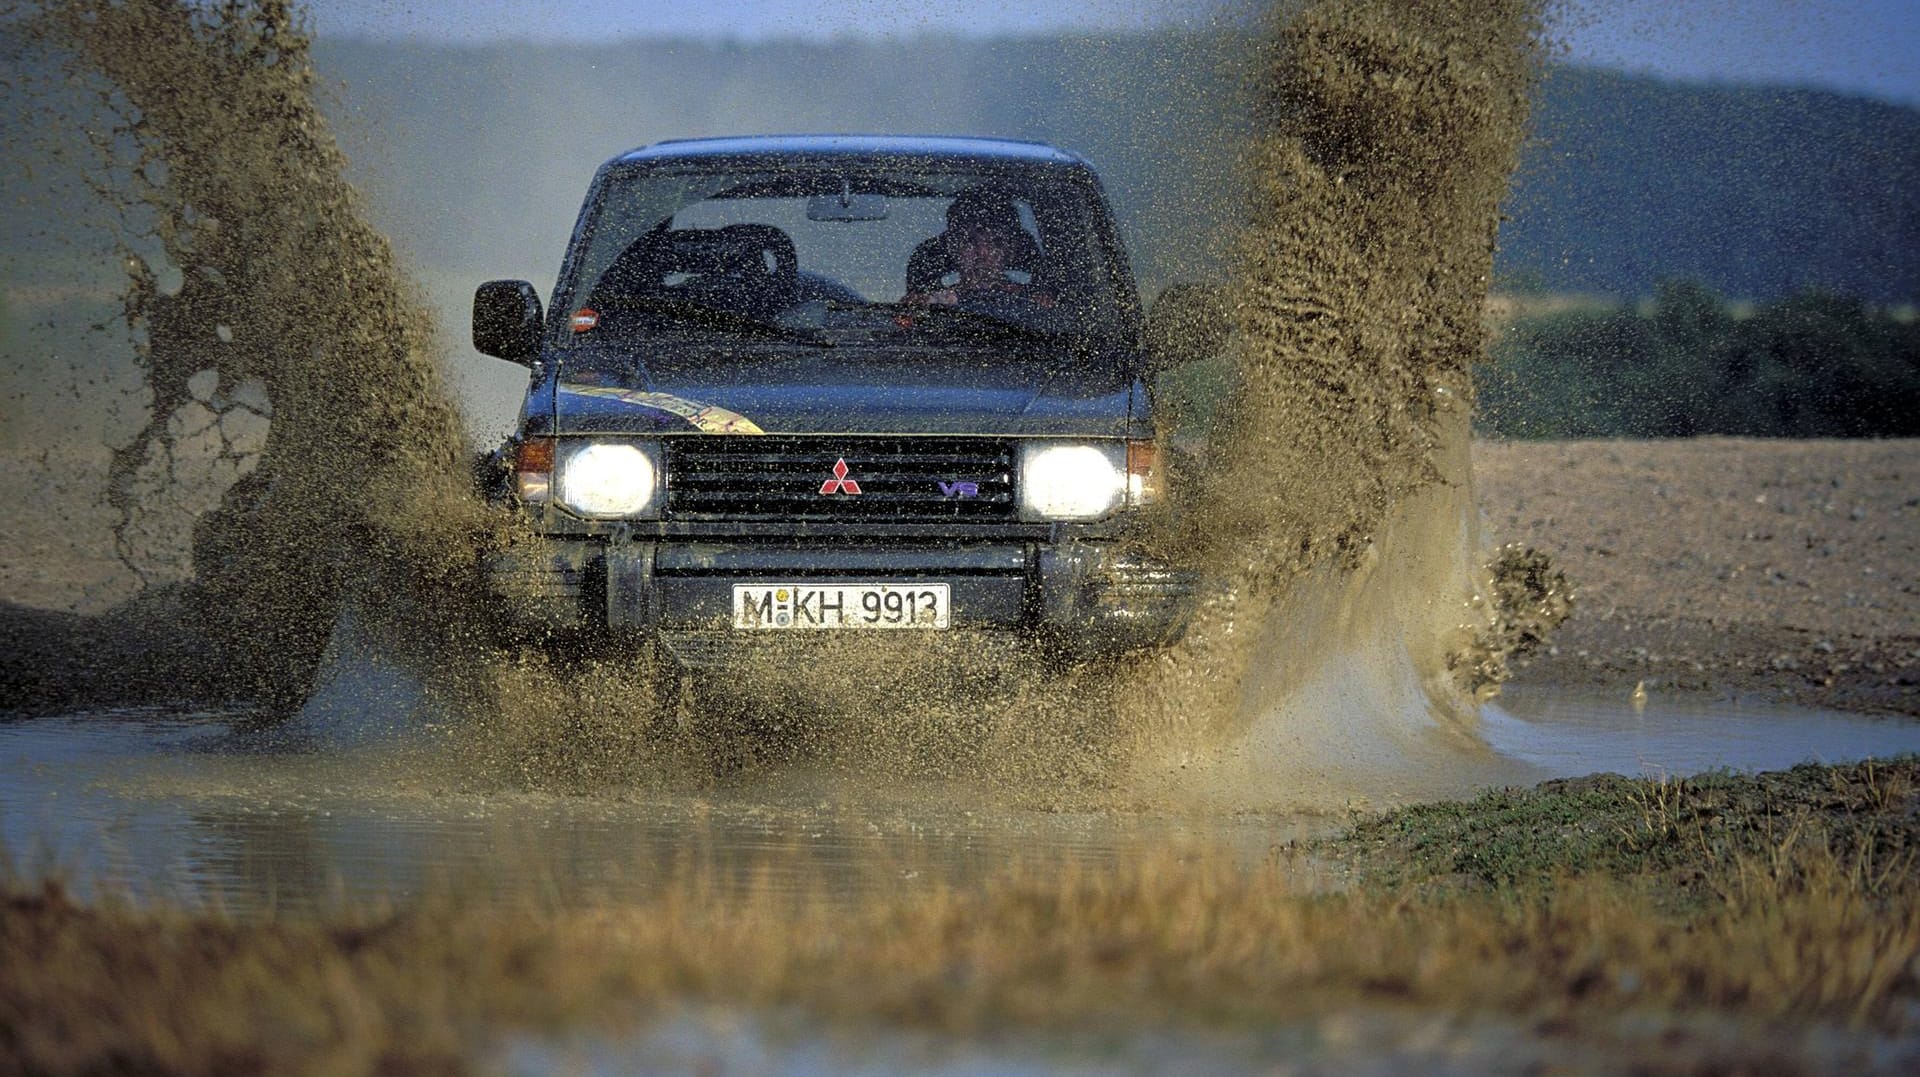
921, 147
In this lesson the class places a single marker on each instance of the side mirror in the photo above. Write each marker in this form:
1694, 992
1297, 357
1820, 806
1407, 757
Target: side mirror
506, 320
1187, 322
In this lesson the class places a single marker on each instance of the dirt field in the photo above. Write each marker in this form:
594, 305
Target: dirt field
1783, 569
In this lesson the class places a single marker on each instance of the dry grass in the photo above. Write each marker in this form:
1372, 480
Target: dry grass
1802, 932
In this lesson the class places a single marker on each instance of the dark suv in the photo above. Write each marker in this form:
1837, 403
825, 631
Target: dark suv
799, 383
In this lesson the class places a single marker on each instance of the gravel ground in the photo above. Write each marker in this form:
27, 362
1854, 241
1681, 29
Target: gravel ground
1788, 570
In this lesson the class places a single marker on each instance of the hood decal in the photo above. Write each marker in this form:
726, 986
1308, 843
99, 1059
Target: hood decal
705, 417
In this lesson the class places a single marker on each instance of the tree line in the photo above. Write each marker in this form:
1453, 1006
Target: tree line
1688, 363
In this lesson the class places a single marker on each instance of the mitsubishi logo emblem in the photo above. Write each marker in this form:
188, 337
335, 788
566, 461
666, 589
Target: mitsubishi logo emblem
840, 484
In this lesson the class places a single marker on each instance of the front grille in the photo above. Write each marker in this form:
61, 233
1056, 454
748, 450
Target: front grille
727, 477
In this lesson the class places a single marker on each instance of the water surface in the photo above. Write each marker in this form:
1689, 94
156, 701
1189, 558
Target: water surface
187, 805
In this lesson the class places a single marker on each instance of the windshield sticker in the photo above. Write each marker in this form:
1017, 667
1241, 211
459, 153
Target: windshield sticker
584, 319
706, 417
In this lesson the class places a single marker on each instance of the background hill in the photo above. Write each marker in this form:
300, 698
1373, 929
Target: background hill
1755, 192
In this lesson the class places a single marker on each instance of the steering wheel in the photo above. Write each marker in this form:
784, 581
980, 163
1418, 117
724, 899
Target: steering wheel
1021, 304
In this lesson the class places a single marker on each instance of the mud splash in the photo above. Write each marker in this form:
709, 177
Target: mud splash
253, 276
1352, 625
1360, 627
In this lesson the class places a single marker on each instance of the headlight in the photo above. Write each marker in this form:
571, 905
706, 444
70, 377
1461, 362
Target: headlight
610, 479
1067, 480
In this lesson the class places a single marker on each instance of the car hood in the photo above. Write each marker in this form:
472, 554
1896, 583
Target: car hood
849, 391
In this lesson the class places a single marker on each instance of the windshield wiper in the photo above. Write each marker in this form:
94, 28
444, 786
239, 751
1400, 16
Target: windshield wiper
961, 318
680, 310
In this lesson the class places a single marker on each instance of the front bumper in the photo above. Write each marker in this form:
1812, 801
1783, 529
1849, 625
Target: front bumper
1084, 594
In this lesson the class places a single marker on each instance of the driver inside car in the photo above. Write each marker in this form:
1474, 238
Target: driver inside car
988, 253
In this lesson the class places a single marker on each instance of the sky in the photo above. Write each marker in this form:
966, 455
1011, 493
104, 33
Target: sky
1868, 47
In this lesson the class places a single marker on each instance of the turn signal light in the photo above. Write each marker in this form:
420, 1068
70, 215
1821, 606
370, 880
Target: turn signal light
1143, 472
533, 468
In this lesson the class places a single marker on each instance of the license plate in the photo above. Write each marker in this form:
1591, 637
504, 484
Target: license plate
851, 605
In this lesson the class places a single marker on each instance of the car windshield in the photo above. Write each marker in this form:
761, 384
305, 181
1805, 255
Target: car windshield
830, 254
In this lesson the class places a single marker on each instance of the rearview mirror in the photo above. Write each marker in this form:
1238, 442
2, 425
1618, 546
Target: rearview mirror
506, 320
847, 206
1188, 322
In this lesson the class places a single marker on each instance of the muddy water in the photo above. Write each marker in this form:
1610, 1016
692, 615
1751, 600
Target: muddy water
191, 806
1380, 1041
1572, 733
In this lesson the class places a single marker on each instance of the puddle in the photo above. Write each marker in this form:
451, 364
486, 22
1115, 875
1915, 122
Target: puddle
1352, 1041
1570, 734
178, 805
182, 807
716, 1041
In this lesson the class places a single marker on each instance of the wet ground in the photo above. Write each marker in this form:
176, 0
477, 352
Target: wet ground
187, 805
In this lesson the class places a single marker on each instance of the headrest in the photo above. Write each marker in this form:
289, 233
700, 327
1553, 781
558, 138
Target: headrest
735, 250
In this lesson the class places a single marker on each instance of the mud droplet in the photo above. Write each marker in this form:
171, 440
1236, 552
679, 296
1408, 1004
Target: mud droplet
203, 385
